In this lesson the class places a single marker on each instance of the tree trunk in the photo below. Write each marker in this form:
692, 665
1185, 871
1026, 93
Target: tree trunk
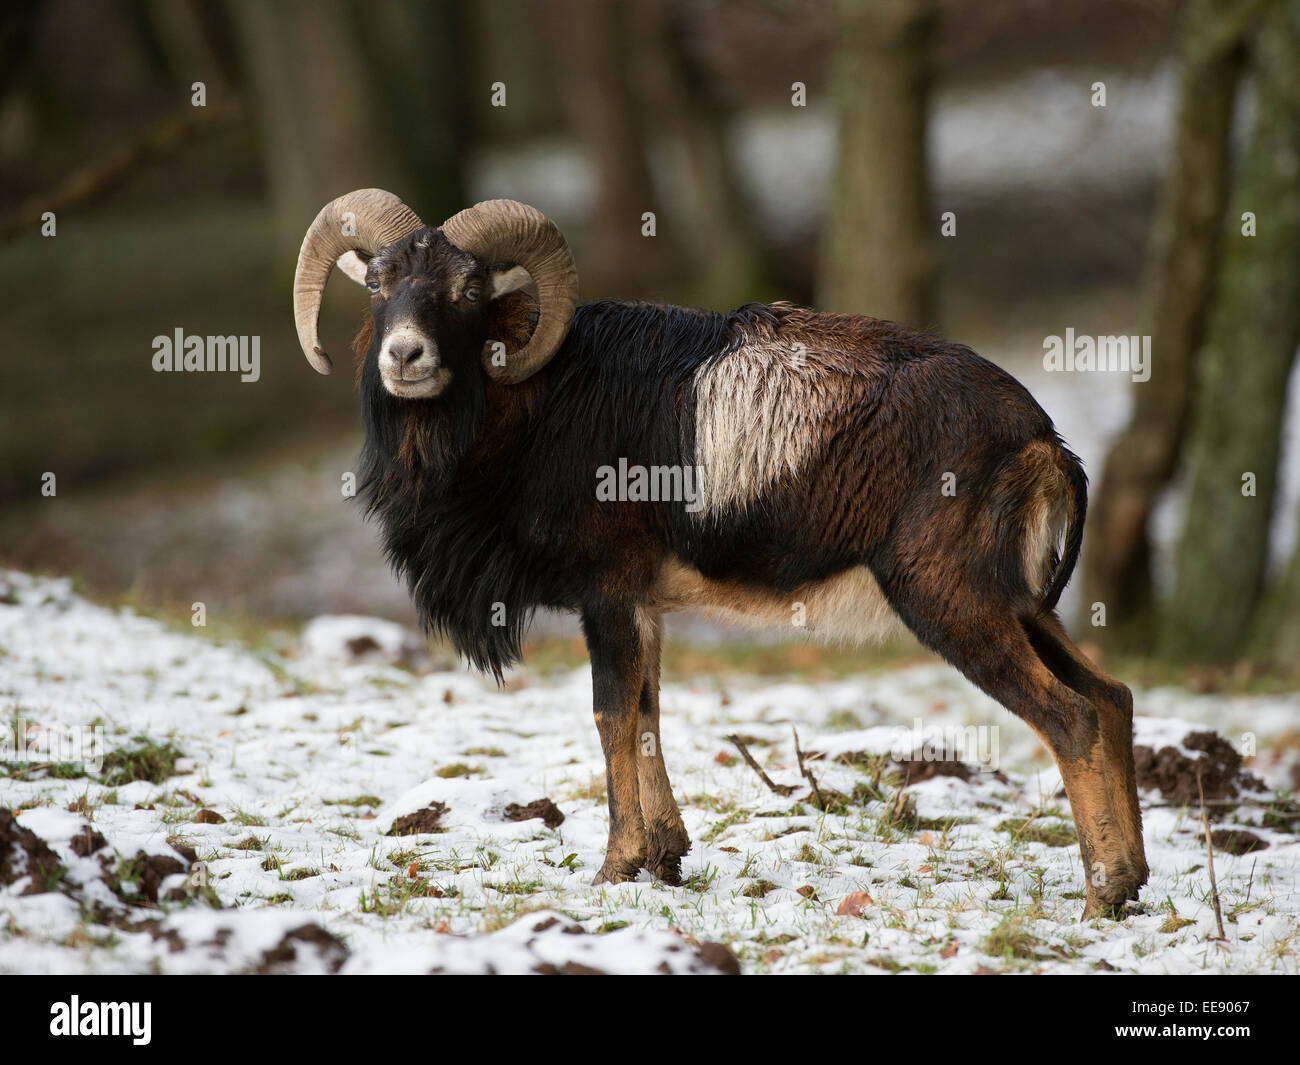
415, 53
1276, 635
603, 111
318, 123
1241, 392
727, 256
1185, 251
877, 254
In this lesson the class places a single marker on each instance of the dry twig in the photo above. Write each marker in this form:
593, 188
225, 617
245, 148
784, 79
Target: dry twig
807, 773
779, 789
1209, 850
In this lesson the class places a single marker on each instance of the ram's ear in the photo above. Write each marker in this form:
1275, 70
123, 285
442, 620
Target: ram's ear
501, 282
352, 264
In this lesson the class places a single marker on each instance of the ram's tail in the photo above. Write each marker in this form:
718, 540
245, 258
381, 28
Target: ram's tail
1074, 500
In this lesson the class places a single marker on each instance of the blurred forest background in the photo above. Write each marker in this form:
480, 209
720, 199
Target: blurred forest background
999, 172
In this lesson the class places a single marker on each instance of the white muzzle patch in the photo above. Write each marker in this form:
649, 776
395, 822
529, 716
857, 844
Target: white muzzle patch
409, 364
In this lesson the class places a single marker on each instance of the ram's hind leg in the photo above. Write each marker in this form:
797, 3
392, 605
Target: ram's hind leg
666, 837
1079, 726
1114, 705
1083, 717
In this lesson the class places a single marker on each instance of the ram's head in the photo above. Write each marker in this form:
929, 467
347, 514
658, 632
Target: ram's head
430, 289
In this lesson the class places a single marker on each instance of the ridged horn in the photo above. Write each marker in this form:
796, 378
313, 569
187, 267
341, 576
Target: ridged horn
365, 220
496, 231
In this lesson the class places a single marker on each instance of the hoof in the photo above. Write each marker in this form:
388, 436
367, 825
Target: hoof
1109, 899
668, 871
613, 872
665, 851
1106, 911
1143, 872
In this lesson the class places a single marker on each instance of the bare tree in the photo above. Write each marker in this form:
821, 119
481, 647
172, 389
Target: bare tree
1240, 401
602, 109
1144, 457
717, 219
877, 253
315, 108
1276, 633
416, 58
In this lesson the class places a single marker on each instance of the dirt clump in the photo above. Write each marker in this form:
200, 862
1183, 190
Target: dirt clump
24, 853
421, 822
360, 646
543, 809
719, 956
182, 848
152, 869
715, 956
569, 968
1174, 774
154, 927
282, 957
568, 929
87, 842
915, 770
1234, 841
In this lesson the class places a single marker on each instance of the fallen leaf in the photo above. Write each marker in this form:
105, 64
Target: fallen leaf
853, 904
925, 839
950, 950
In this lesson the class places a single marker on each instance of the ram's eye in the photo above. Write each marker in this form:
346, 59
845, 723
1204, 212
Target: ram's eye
473, 293
373, 286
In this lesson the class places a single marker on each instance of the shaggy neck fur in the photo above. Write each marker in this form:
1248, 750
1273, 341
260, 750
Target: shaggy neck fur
465, 486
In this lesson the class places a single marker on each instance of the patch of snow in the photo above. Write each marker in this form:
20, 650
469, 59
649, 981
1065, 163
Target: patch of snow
292, 771
354, 638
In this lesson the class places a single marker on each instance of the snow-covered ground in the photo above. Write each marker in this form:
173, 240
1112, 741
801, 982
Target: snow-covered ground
266, 844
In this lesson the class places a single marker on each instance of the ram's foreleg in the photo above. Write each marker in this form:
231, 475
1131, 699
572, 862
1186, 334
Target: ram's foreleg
617, 677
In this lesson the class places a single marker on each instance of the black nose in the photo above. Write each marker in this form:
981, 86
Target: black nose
406, 350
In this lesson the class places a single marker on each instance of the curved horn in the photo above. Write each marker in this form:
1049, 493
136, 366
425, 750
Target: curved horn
364, 220
509, 231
